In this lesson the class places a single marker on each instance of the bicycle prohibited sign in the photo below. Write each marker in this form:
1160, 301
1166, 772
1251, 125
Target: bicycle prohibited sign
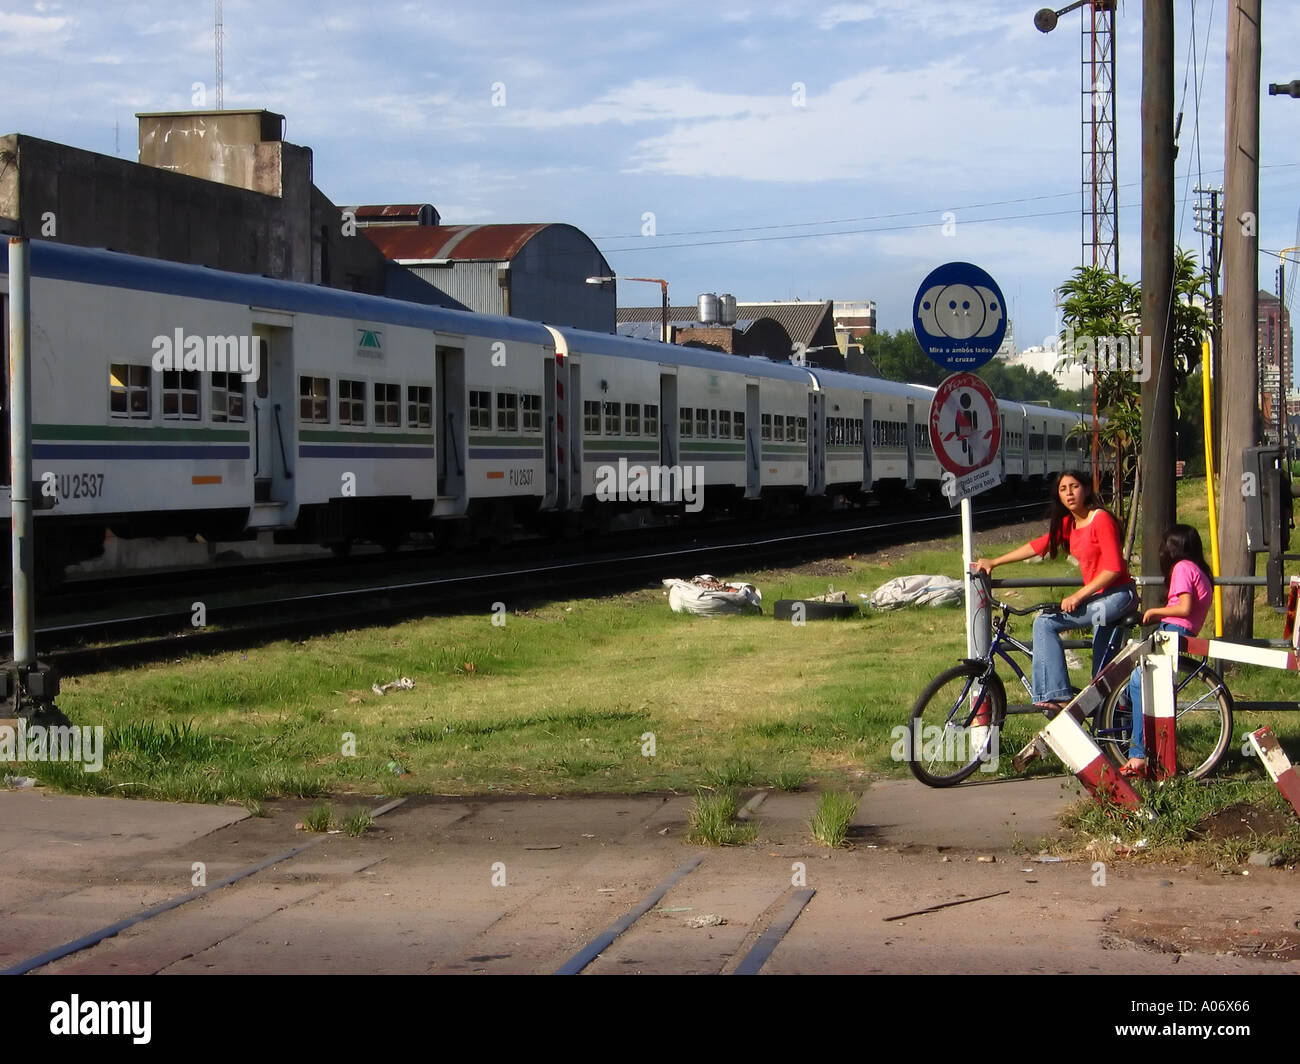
965, 431
959, 316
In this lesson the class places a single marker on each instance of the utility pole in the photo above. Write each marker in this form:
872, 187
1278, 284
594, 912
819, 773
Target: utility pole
1209, 222
1156, 470
1240, 380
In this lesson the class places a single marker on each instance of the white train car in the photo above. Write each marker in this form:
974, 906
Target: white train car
175, 400
742, 423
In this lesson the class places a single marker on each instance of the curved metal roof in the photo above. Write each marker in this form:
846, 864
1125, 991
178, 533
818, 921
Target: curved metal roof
425, 243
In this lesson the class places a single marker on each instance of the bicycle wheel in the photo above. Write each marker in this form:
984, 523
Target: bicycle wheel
1202, 722
954, 727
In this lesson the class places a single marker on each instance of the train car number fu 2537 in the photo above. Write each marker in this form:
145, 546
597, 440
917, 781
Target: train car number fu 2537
72, 485
520, 477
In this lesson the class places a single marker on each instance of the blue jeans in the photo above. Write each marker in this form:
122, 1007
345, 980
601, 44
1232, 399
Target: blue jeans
1136, 746
1051, 680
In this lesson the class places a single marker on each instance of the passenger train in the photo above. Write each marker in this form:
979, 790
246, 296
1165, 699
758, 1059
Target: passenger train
366, 419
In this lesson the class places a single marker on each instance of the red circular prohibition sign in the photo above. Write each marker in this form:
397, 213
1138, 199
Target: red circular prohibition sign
965, 427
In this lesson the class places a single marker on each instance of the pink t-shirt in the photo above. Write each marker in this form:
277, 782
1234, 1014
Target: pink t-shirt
1187, 579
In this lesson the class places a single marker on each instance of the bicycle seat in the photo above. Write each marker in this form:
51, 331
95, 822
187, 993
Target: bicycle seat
1129, 620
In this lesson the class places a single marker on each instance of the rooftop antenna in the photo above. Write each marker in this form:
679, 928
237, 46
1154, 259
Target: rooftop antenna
220, 72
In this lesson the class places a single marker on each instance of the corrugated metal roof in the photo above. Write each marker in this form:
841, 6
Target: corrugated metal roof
425, 243
800, 320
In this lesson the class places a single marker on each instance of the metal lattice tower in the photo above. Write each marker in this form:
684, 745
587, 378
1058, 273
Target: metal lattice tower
1100, 198
220, 63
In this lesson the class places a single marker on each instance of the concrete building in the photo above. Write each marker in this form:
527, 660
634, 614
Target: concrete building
809, 325
212, 188
536, 271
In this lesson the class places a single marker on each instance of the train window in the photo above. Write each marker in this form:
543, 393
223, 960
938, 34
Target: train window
738, 425
591, 418
314, 400
480, 411
530, 407
713, 424
858, 438
685, 423
631, 419
724, 424
921, 433
765, 425
507, 412
180, 395
227, 397
796, 429
388, 405
419, 406
611, 419
701, 423
128, 391
778, 427
352, 402
651, 419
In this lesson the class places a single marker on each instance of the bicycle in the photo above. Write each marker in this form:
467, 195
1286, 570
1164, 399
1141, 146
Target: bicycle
955, 725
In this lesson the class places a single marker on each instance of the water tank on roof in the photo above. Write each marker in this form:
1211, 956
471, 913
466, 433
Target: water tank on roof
727, 309
708, 308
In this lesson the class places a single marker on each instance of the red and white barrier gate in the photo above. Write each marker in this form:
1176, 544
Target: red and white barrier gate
1277, 765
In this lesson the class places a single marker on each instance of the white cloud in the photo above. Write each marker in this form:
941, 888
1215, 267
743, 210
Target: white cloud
25, 34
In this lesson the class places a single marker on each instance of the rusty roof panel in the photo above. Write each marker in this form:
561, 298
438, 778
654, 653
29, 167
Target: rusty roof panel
493, 243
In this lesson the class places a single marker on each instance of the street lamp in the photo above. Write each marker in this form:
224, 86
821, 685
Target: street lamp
663, 285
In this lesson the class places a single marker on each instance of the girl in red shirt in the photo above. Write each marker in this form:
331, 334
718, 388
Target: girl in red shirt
1078, 523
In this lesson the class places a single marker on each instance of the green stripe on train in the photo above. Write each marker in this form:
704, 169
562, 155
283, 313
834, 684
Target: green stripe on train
151, 433
334, 436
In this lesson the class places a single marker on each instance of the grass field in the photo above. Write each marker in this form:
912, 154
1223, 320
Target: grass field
615, 694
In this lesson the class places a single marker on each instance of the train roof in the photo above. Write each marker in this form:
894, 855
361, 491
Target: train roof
66, 262
656, 351
831, 378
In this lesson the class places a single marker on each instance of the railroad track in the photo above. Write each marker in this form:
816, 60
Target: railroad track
167, 626
656, 908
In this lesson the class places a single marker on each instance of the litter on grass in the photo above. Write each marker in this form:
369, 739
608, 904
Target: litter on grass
917, 591
708, 596
404, 683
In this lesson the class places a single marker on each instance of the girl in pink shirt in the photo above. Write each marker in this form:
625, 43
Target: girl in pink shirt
1182, 560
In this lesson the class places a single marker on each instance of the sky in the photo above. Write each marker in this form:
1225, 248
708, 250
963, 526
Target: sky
775, 151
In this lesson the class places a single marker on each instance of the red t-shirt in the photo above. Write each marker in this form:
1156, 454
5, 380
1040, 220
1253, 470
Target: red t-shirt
1096, 546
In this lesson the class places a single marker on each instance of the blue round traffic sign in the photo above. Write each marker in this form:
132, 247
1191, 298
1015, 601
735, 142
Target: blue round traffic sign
959, 316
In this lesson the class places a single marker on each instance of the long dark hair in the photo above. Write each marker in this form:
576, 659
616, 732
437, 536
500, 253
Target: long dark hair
1056, 510
1182, 543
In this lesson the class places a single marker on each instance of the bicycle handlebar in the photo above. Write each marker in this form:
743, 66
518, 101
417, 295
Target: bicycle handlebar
1024, 611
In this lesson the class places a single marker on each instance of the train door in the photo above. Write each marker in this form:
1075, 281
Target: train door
578, 420
911, 444
816, 443
453, 439
868, 475
753, 477
551, 432
4, 389
1002, 448
669, 427
275, 444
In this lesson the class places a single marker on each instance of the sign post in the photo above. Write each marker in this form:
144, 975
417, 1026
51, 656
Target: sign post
959, 317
